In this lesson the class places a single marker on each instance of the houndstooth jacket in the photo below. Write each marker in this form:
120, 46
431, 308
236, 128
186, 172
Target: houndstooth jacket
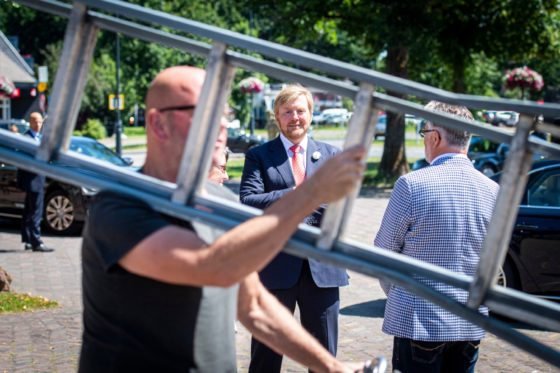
438, 214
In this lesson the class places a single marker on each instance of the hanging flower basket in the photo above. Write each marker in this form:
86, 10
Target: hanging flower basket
251, 85
524, 78
7, 88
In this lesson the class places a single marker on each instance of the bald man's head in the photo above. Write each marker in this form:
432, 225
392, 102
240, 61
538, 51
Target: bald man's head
175, 86
170, 101
36, 121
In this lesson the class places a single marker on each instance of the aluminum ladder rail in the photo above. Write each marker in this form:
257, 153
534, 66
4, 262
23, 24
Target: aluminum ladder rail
80, 36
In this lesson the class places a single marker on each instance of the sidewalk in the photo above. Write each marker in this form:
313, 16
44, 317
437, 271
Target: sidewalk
49, 341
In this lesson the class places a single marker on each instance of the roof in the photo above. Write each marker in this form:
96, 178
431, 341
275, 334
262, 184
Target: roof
12, 65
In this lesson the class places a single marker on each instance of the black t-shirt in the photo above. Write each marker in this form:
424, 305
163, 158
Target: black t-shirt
137, 324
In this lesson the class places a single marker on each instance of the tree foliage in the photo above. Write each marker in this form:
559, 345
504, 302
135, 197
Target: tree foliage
457, 45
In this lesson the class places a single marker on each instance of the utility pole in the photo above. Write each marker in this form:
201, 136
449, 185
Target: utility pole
118, 123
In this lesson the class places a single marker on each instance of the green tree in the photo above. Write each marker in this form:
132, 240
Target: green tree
370, 28
101, 77
453, 39
35, 30
507, 30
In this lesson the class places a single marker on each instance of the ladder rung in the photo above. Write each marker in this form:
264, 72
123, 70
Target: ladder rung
512, 185
360, 132
205, 124
70, 81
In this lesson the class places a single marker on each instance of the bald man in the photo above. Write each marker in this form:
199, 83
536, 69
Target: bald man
157, 298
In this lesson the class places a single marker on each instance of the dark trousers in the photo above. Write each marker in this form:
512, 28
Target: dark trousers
410, 356
318, 308
31, 219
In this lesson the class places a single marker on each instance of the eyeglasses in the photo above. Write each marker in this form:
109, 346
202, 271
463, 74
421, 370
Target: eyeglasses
183, 107
423, 131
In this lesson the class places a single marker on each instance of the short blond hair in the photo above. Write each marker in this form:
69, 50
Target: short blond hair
290, 93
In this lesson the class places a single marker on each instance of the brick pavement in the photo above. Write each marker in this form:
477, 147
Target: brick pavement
49, 341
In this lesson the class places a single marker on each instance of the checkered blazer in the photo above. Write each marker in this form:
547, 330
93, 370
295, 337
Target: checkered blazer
438, 214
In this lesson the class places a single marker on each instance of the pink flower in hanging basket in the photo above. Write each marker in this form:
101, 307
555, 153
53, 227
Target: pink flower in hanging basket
251, 85
524, 78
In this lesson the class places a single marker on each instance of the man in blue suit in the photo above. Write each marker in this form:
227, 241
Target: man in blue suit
34, 187
272, 170
438, 214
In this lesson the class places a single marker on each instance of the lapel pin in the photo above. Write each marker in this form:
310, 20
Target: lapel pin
315, 156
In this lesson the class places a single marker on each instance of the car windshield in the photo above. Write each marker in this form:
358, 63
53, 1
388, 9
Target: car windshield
97, 151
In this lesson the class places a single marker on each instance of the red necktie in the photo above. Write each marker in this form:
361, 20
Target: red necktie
297, 164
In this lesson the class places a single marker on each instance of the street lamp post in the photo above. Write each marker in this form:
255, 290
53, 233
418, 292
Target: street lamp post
118, 123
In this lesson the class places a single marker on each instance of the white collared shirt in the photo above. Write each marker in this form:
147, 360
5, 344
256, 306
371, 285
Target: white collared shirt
303, 149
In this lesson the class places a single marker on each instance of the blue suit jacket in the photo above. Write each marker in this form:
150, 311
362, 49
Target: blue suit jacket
267, 176
29, 181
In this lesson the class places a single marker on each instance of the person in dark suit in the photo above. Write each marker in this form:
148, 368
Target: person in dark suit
271, 171
34, 187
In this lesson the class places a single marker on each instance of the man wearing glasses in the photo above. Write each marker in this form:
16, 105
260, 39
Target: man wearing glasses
438, 214
157, 298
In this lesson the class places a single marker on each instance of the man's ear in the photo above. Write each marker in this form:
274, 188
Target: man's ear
437, 139
156, 125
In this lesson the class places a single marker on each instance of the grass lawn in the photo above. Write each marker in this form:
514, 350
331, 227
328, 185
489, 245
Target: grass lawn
235, 170
321, 133
134, 131
13, 302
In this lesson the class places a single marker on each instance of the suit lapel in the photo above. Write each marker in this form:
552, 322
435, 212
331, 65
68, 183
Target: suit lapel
281, 161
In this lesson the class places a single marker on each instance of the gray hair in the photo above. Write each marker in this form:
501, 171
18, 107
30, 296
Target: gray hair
453, 137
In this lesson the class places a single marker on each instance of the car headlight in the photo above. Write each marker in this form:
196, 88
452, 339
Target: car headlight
88, 191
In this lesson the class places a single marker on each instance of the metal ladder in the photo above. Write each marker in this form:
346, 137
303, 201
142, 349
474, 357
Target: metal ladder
325, 244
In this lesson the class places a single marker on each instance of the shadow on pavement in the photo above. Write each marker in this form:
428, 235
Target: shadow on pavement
374, 308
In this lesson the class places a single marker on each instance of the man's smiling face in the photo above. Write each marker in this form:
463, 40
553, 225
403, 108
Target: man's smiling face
293, 119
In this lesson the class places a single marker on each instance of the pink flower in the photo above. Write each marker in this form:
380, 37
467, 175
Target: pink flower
251, 85
524, 77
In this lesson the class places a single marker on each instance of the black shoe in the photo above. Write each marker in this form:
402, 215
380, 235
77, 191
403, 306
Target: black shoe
42, 248
28, 246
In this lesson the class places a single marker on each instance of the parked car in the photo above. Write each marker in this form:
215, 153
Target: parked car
412, 120
488, 116
380, 126
240, 142
501, 118
65, 205
318, 117
488, 157
532, 263
336, 116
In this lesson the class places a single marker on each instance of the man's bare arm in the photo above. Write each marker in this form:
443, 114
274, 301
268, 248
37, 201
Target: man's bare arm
271, 323
176, 255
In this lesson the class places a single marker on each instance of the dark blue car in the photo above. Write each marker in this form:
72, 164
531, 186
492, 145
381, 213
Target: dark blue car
532, 263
